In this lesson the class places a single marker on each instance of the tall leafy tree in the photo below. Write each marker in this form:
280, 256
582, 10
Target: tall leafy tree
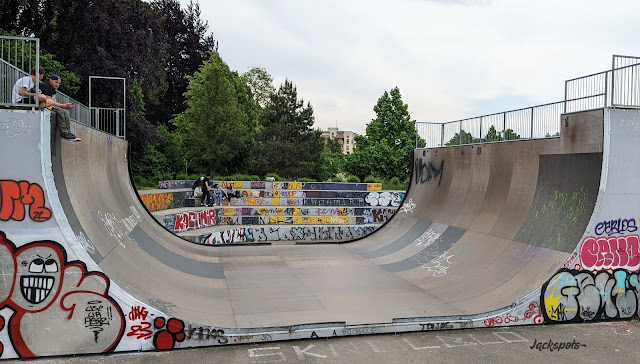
216, 124
121, 38
187, 47
22, 17
289, 146
386, 151
261, 84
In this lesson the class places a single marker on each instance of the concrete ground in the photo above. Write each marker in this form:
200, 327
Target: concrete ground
606, 342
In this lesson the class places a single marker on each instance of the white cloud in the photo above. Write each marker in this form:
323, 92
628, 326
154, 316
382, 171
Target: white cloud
450, 59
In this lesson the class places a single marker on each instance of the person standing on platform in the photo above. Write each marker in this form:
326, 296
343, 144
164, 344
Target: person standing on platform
206, 197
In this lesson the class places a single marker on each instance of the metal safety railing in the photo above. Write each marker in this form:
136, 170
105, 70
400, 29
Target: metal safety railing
19, 54
618, 87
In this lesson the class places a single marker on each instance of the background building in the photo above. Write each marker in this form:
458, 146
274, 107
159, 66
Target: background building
345, 138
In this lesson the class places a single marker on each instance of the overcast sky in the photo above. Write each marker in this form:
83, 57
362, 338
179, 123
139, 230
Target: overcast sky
451, 59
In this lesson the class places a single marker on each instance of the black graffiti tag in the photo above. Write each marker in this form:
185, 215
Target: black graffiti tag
425, 172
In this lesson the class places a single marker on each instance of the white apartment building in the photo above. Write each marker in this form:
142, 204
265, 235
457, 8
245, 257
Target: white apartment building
345, 139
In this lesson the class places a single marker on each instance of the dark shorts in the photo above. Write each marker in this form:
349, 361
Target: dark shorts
27, 100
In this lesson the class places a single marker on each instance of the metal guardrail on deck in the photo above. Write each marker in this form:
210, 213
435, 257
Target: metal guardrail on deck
618, 87
19, 54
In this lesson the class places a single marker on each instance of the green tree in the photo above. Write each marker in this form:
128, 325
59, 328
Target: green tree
332, 158
261, 84
492, 135
187, 47
215, 125
462, 138
288, 145
509, 134
386, 151
70, 82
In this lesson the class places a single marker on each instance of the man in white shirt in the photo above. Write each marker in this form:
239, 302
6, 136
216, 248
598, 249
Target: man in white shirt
21, 89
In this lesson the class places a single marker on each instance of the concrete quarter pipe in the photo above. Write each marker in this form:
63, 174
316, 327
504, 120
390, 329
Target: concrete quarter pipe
516, 233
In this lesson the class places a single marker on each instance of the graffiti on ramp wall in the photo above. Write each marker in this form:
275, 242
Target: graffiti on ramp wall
53, 306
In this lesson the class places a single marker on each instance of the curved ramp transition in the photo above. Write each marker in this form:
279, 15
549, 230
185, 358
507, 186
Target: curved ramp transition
492, 234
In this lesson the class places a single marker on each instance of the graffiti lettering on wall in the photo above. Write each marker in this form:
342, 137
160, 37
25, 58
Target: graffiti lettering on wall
384, 198
425, 172
618, 226
535, 253
16, 195
533, 312
59, 298
206, 334
408, 206
165, 333
13, 127
157, 201
598, 253
573, 295
428, 237
440, 264
174, 184
194, 220
86, 243
163, 306
139, 329
119, 228
311, 233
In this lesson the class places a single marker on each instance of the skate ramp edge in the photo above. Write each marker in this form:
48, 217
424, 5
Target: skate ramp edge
70, 256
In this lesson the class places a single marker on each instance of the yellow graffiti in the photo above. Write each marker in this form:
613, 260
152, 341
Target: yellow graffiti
228, 211
552, 303
374, 186
323, 220
157, 201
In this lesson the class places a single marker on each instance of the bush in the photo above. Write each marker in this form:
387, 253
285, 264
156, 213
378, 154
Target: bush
305, 179
182, 176
142, 182
353, 179
337, 179
274, 175
164, 176
395, 184
372, 179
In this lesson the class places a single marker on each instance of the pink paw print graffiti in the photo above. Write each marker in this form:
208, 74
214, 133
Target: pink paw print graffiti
170, 332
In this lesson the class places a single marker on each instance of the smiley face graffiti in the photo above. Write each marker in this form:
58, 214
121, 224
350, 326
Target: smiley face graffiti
70, 307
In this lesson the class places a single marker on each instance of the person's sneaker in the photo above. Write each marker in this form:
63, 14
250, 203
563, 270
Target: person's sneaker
71, 137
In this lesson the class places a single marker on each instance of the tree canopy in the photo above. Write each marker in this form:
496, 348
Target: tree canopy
218, 122
386, 151
288, 144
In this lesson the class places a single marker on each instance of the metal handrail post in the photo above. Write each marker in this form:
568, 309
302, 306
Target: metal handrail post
532, 119
613, 80
565, 96
504, 126
606, 86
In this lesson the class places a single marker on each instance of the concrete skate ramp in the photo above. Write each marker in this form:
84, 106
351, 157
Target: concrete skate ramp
495, 234
481, 227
